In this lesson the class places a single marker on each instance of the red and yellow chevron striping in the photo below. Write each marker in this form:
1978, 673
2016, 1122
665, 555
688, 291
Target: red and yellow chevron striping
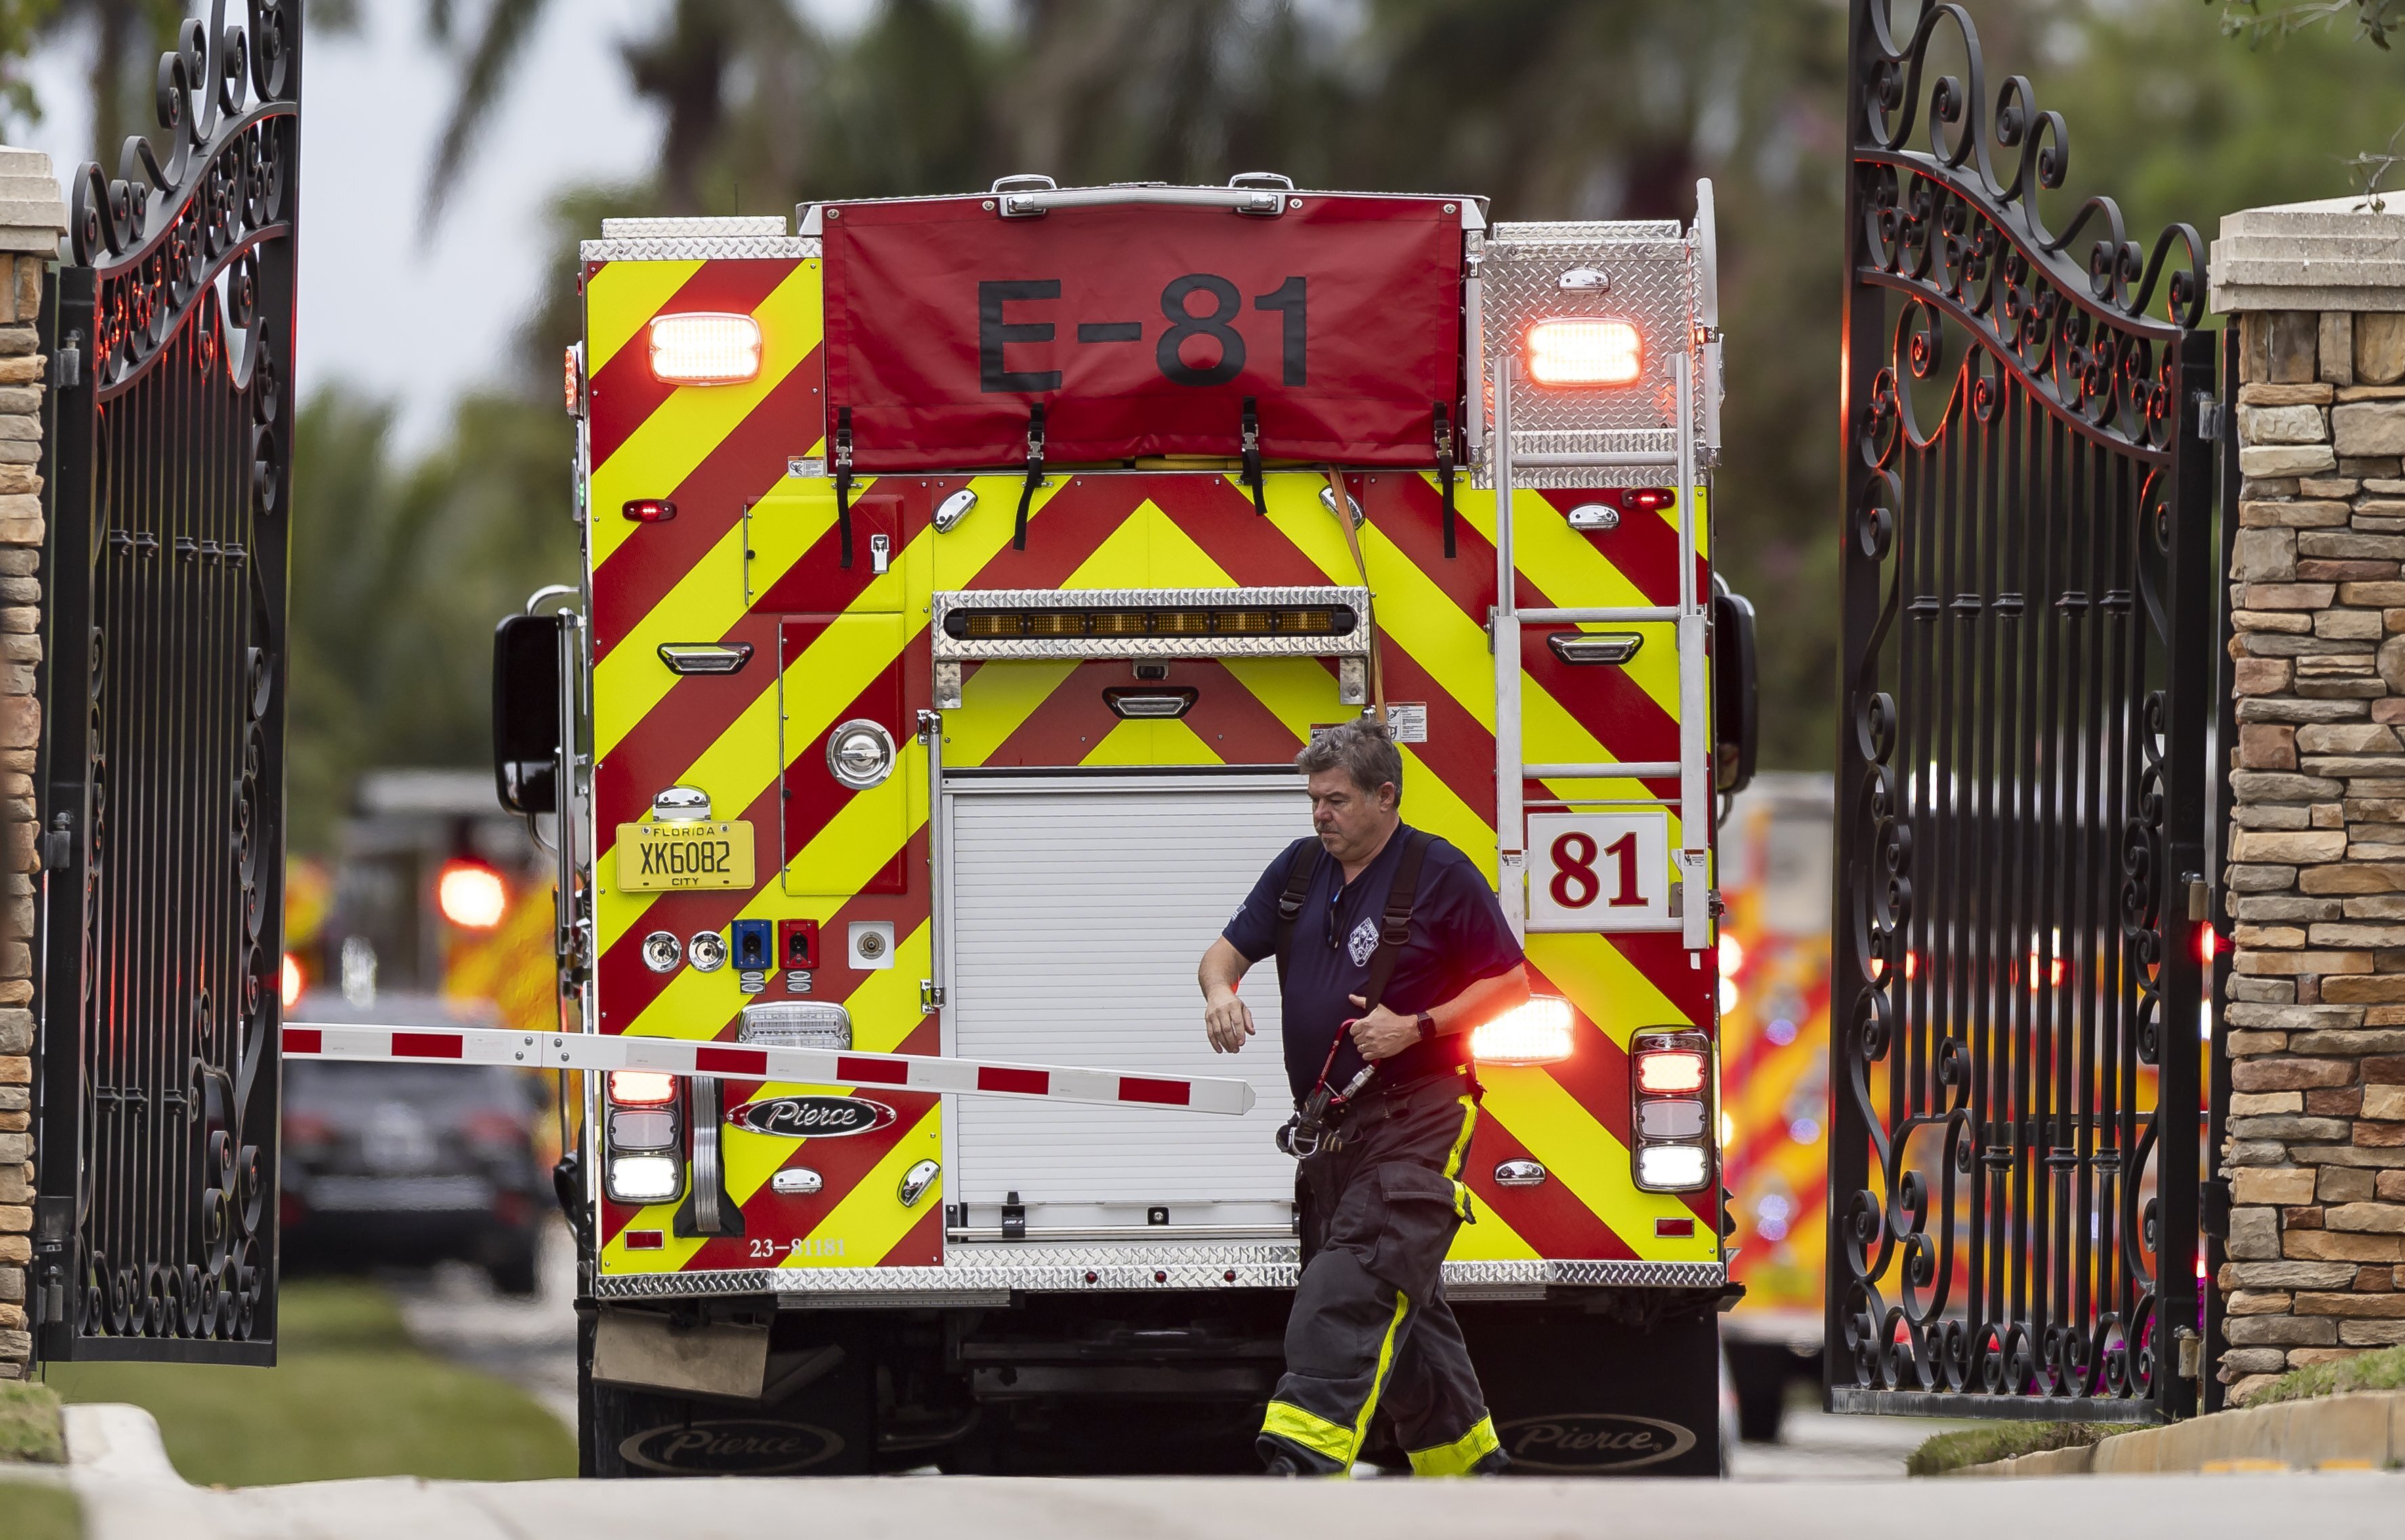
752, 557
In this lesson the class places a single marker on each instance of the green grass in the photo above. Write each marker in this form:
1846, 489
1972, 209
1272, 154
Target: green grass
29, 1423
349, 1397
1951, 1451
36, 1510
2384, 1370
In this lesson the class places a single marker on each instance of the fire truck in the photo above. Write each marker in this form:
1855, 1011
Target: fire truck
964, 574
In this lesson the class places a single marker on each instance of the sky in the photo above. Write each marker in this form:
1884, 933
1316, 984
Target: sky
416, 321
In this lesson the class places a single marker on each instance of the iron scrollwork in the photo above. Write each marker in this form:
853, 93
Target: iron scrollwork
174, 473
2015, 776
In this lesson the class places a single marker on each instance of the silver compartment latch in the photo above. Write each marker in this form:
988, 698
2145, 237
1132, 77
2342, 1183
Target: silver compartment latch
880, 553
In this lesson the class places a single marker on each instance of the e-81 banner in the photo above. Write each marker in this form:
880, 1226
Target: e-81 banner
1143, 330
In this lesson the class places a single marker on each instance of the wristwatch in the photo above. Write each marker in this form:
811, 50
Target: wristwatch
1426, 1024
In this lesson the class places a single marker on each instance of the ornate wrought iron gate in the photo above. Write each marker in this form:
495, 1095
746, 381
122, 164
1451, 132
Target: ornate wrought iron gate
2028, 652
163, 698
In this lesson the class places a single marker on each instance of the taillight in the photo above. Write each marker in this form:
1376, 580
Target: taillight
1584, 350
491, 1129
649, 510
1671, 1134
1669, 1072
641, 1087
1535, 1031
645, 1159
705, 348
571, 379
306, 1128
639, 1130
1651, 499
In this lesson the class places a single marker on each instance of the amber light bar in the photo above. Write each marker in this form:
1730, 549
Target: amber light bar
997, 625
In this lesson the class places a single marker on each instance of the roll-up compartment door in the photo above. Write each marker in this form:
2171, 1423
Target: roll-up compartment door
1079, 910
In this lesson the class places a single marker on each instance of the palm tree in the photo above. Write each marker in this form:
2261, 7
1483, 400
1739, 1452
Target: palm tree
683, 65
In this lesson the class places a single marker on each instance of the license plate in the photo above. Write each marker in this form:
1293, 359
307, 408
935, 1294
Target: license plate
669, 857
398, 1194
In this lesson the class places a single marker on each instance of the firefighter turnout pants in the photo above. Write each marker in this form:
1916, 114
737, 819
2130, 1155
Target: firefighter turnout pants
1380, 1202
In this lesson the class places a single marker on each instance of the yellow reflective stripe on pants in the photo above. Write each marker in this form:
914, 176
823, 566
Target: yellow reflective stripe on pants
1313, 1432
1457, 1458
1378, 1380
1461, 1145
1333, 1440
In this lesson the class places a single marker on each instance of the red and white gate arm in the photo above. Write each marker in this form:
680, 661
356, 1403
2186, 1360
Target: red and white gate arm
760, 1062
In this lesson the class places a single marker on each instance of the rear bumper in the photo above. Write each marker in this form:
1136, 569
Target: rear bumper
991, 1281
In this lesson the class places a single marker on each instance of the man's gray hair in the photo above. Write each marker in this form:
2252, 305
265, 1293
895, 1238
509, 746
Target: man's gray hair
1366, 750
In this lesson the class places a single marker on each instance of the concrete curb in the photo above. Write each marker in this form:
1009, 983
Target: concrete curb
118, 1442
2365, 1431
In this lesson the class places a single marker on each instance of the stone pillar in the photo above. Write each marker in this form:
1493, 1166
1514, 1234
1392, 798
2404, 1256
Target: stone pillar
2315, 868
32, 217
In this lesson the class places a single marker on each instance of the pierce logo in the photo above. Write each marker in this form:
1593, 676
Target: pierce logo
811, 1117
1593, 1441
735, 1447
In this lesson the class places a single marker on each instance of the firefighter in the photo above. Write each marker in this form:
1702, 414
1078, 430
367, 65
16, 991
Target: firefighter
1391, 949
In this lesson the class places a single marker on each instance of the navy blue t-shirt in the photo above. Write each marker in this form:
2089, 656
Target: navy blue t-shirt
1458, 937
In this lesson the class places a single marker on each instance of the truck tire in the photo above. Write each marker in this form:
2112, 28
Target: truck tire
1760, 1371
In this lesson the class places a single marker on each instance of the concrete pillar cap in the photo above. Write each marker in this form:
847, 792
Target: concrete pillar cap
2329, 254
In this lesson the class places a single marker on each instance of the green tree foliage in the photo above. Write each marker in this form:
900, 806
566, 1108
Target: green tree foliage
2374, 19
1554, 109
400, 574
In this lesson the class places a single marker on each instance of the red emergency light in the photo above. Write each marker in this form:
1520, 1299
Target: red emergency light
471, 894
705, 348
649, 510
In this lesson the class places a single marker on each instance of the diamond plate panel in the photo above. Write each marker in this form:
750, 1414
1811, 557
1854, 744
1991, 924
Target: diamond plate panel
719, 227
973, 1279
1652, 269
689, 249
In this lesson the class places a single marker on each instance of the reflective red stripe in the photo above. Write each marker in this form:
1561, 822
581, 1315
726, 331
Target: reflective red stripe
427, 1045
303, 1040
731, 1061
1160, 1093
1025, 1082
872, 1071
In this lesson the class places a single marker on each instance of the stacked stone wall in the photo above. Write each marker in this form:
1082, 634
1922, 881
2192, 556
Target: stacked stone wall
31, 218
2316, 874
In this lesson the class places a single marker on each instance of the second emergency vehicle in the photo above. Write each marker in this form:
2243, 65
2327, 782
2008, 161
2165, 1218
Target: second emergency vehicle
964, 575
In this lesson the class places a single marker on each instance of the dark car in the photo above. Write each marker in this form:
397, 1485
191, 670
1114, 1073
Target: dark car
410, 1163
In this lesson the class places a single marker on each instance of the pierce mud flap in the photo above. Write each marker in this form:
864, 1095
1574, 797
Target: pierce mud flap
818, 1418
1575, 1393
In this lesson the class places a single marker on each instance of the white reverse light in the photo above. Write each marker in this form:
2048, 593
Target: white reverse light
1535, 1032
642, 1179
1672, 1167
705, 348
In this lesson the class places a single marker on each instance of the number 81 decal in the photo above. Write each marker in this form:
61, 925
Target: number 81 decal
1600, 871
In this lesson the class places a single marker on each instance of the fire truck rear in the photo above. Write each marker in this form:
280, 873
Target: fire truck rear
964, 575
